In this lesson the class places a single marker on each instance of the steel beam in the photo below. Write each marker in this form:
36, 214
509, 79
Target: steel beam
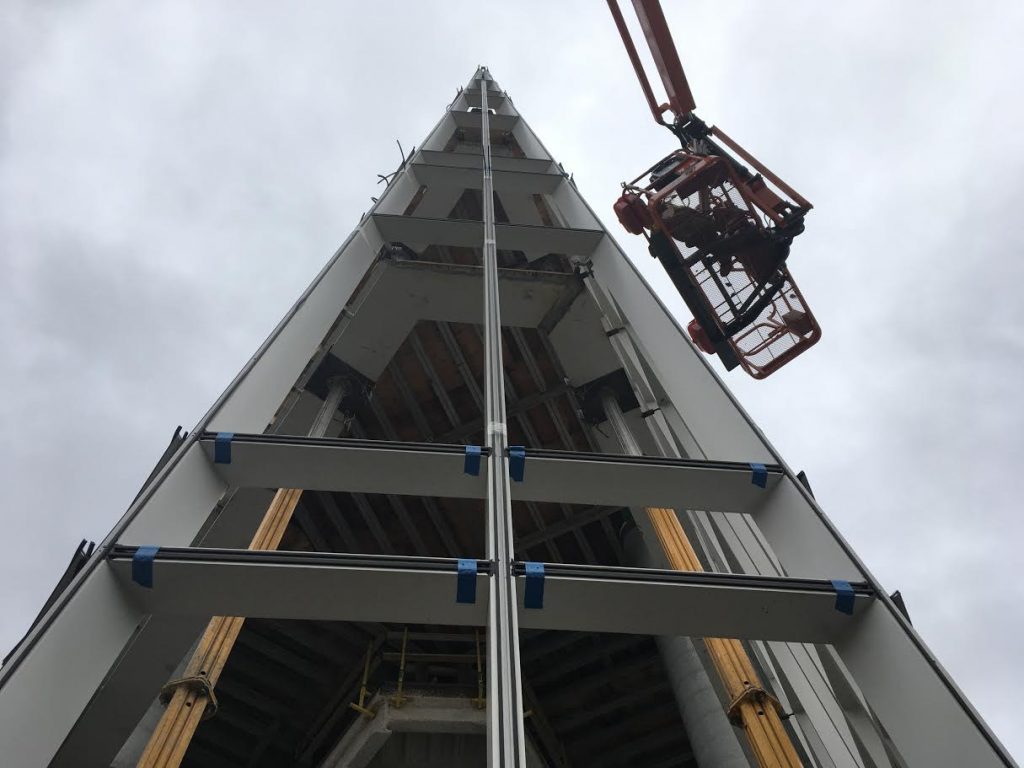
464, 233
430, 469
911, 694
642, 601
302, 585
474, 160
474, 98
516, 182
500, 123
421, 590
616, 480
366, 466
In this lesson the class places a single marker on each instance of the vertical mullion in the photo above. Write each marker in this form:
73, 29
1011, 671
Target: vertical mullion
505, 736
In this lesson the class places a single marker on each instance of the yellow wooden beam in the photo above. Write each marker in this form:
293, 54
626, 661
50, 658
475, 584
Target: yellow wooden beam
751, 707
191, 698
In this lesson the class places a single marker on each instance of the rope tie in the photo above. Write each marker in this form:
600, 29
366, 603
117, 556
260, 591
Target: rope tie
756, 694
200, 684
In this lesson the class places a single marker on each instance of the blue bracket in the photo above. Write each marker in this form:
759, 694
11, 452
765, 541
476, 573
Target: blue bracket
759, 476
472, 465
465, 589
142, 566
844, 596
222, 447
517, 462
533, 594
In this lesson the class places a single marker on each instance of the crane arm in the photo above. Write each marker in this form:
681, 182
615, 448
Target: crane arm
666, 58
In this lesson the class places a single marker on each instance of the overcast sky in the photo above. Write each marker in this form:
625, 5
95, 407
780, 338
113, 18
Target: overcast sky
172, 175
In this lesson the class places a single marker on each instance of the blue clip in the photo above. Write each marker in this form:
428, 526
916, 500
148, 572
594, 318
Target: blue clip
142, 566
472, 465
517, 462
533, 594
222, 447
844, 596
465, 589
760, 476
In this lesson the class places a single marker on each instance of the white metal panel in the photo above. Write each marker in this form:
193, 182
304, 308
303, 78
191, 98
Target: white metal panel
465, 177
128, 689
528, 142
472, 160
499, 123
799, 538
364, 466
54, 683
304, 592
687, 609
576, 479
534, 241
717, 425
903, 686
495, 99
409, 291
306, 586
370, 466
180, 506
582, 348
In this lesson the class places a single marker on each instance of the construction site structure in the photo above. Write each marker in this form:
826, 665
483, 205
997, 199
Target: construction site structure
478, 500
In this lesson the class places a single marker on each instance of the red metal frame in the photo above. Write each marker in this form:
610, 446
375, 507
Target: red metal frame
666, 59
723, 243
721, 232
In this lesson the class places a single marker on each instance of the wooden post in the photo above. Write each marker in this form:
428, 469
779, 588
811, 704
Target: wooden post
751, 707
191, 698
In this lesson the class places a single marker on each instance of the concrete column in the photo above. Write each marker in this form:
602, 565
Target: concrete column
712, 737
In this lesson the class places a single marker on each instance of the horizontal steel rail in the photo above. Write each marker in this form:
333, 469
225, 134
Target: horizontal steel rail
365, 466
464, 233
471, 160
422, 590
643, 601
429, 469
304, 585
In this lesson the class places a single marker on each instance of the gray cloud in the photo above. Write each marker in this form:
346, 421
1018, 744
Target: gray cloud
173, 174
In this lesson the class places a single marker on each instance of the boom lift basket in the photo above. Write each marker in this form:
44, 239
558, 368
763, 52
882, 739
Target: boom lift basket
723, 237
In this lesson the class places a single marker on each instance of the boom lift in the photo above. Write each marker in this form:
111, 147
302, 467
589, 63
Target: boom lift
721, 231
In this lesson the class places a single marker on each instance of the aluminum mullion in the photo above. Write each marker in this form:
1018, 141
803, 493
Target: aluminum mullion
505, 736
